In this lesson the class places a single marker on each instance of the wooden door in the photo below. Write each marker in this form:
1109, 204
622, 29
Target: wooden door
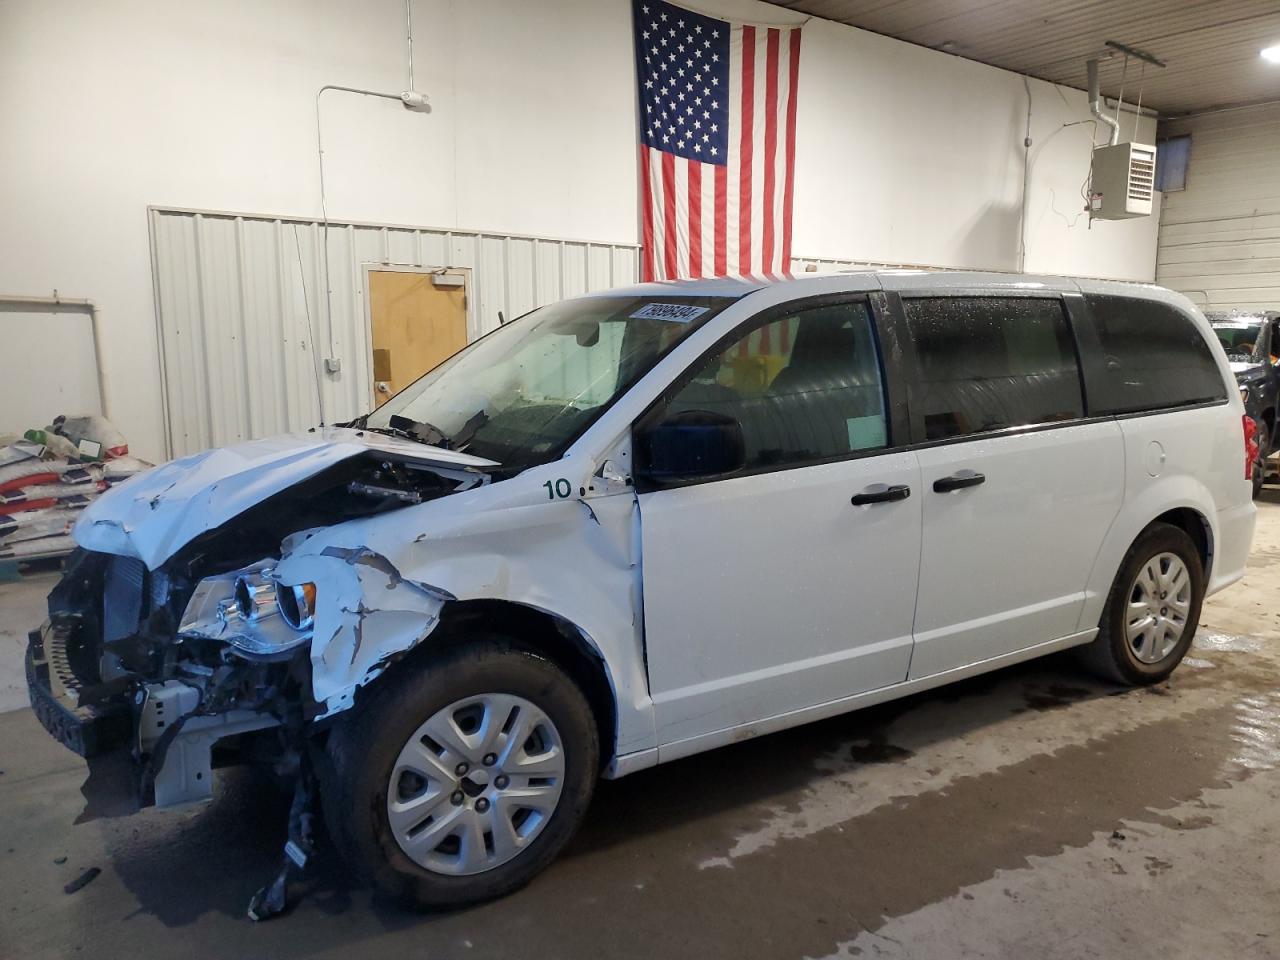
418, 320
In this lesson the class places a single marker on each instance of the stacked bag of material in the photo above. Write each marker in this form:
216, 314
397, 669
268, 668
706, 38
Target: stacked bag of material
48, 476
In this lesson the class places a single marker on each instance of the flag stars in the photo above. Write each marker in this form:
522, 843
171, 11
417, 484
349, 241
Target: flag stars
697, 147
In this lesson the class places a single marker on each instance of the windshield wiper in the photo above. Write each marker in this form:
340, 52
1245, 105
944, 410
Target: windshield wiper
420, 431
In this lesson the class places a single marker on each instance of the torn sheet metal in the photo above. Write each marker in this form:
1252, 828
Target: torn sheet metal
382, 582
153, 515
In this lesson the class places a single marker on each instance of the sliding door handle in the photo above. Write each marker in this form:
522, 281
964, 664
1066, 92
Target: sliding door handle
958, 481
899, 491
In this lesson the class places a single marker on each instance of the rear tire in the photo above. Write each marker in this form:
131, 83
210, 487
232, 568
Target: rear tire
1152, 611
486, 827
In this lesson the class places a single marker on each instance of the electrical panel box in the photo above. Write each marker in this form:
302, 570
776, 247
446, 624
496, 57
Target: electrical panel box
1123, 182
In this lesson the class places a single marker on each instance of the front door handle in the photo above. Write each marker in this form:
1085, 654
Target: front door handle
899, 491
958, 481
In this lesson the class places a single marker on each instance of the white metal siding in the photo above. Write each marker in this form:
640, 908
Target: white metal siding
239, 299
1220, 238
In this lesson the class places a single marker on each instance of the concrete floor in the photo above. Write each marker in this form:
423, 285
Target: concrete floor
1034, 812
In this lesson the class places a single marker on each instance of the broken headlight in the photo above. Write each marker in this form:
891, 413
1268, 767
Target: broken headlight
297, 604
251, 612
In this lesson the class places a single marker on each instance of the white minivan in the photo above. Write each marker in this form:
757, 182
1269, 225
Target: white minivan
639, 524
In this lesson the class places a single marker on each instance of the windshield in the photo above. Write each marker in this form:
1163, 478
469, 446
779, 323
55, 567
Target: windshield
1238, 337
523, 393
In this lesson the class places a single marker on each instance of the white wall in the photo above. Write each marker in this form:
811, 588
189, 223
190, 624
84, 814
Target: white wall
1220, 238
903, 154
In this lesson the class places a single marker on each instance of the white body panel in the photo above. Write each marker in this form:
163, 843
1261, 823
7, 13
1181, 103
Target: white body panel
770, 593
1004, 565
731, 608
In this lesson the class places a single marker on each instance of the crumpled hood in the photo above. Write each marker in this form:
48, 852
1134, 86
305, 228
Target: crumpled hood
154, 514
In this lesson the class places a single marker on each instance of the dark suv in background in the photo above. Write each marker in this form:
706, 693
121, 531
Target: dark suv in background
1252, 342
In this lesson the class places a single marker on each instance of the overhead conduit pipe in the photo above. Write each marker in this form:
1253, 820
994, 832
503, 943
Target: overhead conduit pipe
1095, 104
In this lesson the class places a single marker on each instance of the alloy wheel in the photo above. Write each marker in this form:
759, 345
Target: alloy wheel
475, 784
1159, 601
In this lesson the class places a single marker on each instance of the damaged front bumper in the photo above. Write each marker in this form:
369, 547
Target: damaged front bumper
172, 674
58, 697
154, 727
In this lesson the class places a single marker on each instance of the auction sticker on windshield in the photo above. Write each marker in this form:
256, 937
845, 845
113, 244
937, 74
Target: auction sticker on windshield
677, 312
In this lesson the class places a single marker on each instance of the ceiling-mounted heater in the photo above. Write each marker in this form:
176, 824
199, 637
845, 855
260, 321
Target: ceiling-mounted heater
1122, 179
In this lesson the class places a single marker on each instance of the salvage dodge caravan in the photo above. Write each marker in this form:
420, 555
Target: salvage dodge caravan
640, 524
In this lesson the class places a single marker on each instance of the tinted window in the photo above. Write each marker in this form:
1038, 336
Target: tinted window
1154, 357
804, 387
988, 363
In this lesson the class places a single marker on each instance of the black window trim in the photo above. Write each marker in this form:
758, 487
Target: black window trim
910, 362
890, 382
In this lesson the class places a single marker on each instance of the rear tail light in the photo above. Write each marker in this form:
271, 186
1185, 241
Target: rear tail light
1250, 446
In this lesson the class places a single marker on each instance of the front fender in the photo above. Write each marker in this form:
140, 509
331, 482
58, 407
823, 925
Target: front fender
389, 577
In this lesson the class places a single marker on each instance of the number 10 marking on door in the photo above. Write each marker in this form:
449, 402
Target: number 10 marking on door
559, 490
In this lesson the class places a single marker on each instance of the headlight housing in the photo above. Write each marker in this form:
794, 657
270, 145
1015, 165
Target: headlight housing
297, 604
1244, 393
251, 612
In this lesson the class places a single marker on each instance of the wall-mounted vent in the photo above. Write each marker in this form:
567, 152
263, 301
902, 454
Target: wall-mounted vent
1123, 181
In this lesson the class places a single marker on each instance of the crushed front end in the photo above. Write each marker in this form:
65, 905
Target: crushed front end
210, 619
114, 672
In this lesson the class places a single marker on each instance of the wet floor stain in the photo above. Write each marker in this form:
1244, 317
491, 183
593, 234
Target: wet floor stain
1055, 696
1209, 640
1256, 733
868, 751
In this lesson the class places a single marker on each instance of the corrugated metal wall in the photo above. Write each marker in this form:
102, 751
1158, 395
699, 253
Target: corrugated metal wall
245, 326
1220, 238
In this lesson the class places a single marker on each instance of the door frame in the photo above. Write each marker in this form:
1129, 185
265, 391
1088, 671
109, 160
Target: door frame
472, 319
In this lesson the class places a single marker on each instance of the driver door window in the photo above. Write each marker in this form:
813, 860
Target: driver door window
805, 387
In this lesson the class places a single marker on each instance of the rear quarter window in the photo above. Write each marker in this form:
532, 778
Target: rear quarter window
1153, 357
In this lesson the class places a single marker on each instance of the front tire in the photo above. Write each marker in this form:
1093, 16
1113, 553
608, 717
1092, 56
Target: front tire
463, 775
1152, 610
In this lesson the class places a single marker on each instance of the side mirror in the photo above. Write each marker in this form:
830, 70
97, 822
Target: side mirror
691, 445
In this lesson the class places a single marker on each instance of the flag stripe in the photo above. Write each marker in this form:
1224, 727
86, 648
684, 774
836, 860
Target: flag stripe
746, 121
695, 218
669, 213
646, 198
722, 245
770, 149
656, 217
793, 73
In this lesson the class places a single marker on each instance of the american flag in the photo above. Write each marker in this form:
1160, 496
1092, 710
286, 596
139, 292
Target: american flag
717, 143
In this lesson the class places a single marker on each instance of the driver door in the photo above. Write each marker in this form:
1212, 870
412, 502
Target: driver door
792, 582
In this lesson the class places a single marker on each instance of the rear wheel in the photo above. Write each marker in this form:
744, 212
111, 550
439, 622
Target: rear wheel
1152, 610
463, 778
